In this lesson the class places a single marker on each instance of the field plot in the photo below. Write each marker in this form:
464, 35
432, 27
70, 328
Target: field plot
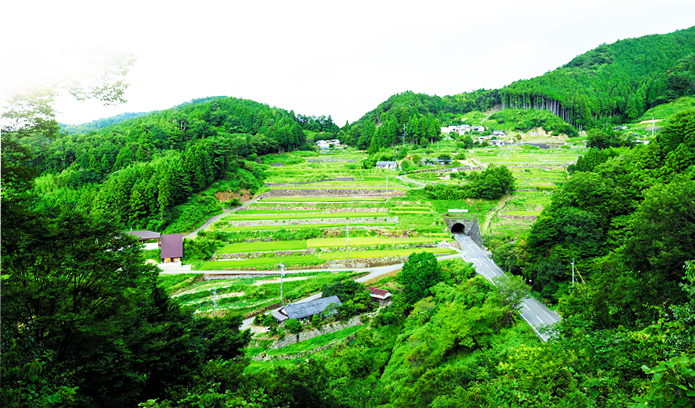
321, 199
262, 246
244, 295
519, 213
301, 216
309, 226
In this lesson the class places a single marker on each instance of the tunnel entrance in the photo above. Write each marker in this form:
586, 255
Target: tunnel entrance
458, 228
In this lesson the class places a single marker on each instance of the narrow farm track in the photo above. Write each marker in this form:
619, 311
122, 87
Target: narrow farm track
211, 220
491, 213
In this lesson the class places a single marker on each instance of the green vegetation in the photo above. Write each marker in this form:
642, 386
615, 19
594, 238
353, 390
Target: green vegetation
262, 246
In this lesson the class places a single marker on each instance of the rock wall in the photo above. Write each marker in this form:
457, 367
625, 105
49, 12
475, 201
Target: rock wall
310, 334
327, 192
307, 221
321, 210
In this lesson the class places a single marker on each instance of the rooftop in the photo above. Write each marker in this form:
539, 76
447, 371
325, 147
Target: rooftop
306, 309
143, 234
172, 246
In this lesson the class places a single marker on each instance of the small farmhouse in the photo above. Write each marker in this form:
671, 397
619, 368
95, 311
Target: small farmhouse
386, 165
306, 309
172, 248
149, 239
380, 295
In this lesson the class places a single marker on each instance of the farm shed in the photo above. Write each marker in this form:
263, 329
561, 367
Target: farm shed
380, 295
308, 309
172, 248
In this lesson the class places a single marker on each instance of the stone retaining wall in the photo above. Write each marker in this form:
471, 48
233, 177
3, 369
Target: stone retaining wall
518, 217
358, 220
327, 192
279, 357
294, 183
321, 210
310, 334
330, 161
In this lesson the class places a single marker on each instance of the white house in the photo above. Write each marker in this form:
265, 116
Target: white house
386, 165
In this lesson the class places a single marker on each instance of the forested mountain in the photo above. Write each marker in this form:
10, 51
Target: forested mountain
420, 116
99, 123
140, 168
612, 83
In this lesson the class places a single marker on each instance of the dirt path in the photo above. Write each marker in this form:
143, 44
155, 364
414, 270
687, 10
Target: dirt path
491, 213
215, 218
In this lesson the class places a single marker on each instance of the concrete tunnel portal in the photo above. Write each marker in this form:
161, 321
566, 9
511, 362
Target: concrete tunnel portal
458, 228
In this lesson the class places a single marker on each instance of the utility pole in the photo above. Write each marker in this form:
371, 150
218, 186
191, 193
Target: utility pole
652, 126
347, 241
572, 271
214, 302
282, 273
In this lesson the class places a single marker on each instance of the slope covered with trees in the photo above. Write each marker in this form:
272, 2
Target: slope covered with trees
142, 168
612, 83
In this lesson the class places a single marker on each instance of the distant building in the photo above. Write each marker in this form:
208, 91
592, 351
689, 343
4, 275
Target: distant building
479, 129
323, 144
305, 309
623, 127
431, 161
460, 129
380, 295
386, 165
172, 248
145, 236
498, 133
496, 142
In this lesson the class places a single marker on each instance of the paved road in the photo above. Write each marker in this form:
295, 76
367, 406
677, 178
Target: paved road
535, 314
217, 217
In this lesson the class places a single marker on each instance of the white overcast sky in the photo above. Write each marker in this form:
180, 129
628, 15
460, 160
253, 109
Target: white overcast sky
313, 57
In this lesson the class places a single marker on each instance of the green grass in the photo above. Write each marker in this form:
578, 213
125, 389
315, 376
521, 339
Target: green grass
408, 212
667, 109
173, 283
317, 341
534, 213
340, 242
319, 199
243, 263
346, 215
305, 226
385, 253
262, 246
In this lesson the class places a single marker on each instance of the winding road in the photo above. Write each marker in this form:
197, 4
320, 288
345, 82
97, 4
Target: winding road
536, 314
217, 217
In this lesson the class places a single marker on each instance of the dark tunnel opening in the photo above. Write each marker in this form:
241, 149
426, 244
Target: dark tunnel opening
458, 229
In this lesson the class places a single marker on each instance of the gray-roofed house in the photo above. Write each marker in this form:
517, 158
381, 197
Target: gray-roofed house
172, 248
307, 309
144, 235
386, 165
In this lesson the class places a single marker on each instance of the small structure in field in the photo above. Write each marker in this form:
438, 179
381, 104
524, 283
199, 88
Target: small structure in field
144, 235
306, 309
380, 295
172, 248
149, 239
386, 165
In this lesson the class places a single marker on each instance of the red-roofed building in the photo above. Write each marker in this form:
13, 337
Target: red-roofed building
380, 295
172, 248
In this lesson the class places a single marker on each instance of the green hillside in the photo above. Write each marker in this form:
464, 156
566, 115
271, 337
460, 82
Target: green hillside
612, 83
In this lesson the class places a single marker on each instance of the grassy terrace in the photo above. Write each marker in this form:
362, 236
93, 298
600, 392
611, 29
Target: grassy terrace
307, 226
301, 216
320, 199
317, 243
272, 263
241, 295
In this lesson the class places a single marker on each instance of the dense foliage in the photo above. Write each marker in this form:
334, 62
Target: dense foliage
491, 184
612, 83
